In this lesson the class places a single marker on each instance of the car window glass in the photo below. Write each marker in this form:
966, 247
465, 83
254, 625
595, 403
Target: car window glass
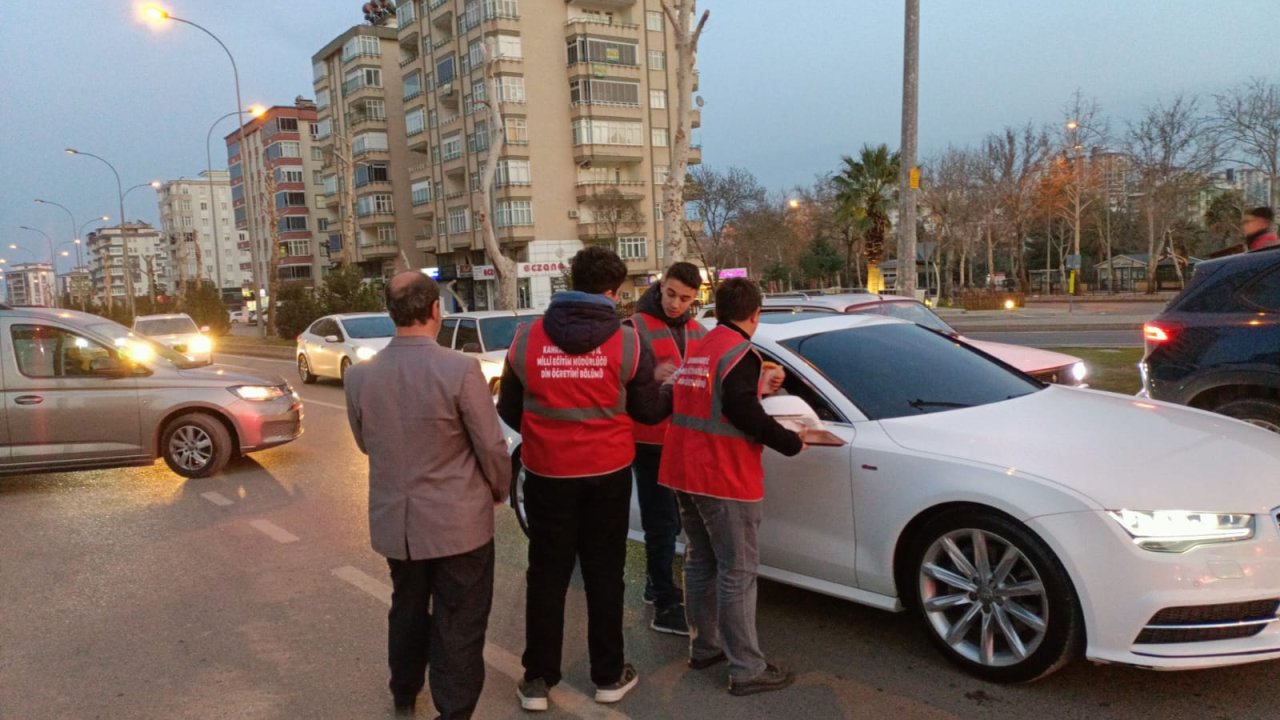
317, 327
49, 352
909, 311
1264, 292
467, 333
793, 384
446, 332
498, 332
369, 327
166, 326
896, 370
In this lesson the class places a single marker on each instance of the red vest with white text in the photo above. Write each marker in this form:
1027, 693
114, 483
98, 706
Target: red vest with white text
658, 335
575, 421
704, 453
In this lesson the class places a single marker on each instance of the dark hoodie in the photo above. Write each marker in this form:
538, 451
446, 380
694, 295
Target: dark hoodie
578, 323
650, 303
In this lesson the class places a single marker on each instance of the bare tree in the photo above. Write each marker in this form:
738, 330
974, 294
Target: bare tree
614, 214
504, 266
1247, 122
273, 259
680, 14
949, 203
1172, 152
1012, 159
1083, 127
720, 199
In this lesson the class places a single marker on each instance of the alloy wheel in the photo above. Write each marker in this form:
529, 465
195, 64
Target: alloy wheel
191, 447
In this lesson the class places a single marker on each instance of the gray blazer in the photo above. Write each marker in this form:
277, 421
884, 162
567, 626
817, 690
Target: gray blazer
437, 458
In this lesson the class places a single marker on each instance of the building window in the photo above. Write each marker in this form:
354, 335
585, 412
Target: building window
445, 70
507, 9
604, 92
660, 173
475, 182
317, 153
661, 137
512, 172
284, 149
514, 213
590, 131
365, 142
657, 60
319, 71
633, 248
371, 173
374, 109
387, 235
322, 99
432, 119
459, 220
583, 49
362, 78
414, 122
317, 177
292, 223
413, 85
451, 147
377, 204
653, 21
421, 192
285, 124
405, 15
509, 47
658, 99
361, 45
287, 199
322, 225
475, 53
517, 131
511, 89
288, 176
319, 202
324, 129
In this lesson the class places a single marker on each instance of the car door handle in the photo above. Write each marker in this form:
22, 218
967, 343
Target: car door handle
28, 400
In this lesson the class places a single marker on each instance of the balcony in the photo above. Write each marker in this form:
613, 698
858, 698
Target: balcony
695, 119
441, 42
602, 27
424, 210
289, 260
378, 252
605, 70
426, 242
608, 153
358, 91
611, 4
607, 110
626, 189
697, 76
420, 142
695, 154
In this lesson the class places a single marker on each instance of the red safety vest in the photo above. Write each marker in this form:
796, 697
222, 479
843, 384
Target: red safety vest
575, 421
705, 454
1264, 241
665, 349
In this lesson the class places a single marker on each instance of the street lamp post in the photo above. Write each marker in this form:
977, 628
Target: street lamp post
73, 223
53, 296
124, 237
157, 14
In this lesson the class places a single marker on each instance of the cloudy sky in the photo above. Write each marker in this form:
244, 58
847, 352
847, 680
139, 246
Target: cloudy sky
788, 87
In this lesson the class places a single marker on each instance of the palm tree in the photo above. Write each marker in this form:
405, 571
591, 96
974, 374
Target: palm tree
865, 190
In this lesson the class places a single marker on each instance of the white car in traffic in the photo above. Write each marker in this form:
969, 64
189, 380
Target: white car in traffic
178, 332
485, 335
1024, 523
332, 344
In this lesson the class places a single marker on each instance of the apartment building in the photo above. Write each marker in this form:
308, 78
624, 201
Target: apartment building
29, 284
148, 258
365, 171
586, 91
197, 221
280, 142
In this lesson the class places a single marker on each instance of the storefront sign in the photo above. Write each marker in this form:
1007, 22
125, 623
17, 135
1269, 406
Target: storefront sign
733, 273
551, 269
484, 272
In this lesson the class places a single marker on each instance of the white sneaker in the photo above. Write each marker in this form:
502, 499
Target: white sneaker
615, 692
532, 694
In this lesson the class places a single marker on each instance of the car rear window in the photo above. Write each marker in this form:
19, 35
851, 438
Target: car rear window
369, 327
1264, 292
166, 326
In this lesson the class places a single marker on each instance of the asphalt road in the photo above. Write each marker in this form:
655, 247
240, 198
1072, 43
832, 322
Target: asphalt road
1063, 338
134, 594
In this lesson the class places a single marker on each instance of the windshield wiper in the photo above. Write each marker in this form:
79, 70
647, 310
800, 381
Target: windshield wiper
918, 403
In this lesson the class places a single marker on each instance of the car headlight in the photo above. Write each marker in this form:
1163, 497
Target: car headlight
1079, 372
1176, 531
492, 370
257, 393
200, 345
364, 353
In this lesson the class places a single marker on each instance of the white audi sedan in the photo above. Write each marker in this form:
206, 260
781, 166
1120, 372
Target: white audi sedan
1024, 523
332, 344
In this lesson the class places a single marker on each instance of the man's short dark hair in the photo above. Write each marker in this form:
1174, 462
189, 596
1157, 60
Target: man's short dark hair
410, 300
684, 273
737, 299
1262, 213
597, 270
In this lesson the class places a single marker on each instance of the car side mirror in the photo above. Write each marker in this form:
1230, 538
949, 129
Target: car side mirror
471, 347
788, 406
331, 339
109, 367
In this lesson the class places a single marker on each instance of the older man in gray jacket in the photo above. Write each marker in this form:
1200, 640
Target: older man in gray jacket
437, 466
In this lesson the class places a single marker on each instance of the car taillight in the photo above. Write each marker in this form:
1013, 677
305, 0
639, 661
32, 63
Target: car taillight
1159, 332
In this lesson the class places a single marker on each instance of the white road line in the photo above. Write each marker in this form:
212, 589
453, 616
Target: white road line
563, 696
216, 498
273, 531
306, 402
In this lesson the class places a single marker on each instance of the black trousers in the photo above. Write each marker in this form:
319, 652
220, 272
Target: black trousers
439, 614
576, 520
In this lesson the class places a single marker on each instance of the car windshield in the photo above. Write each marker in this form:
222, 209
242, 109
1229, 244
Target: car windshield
908, 310
898, 370
165, 326
377, 326
497, 332
777, 318
129, 341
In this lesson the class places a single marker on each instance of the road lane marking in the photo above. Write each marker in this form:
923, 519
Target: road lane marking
216, 498
273, 531
564, 697
306, 402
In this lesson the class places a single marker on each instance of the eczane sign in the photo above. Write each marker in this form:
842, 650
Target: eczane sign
548, 269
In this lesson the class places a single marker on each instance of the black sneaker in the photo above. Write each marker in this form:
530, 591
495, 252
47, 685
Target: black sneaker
773, 678
614, 692
406, 708
670, 620
704, 663
532, 694
649, 598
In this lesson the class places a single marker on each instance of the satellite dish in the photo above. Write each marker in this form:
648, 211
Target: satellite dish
698, 101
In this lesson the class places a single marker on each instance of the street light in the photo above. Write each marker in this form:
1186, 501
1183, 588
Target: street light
53, 298
256, 111
156, 14
124, 237
73, 221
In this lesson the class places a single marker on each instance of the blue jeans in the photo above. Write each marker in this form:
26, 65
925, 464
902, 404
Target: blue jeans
720, 564
660, 518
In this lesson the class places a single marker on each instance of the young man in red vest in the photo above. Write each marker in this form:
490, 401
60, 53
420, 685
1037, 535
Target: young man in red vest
667, 327
712, 460
1256, 227
573, 382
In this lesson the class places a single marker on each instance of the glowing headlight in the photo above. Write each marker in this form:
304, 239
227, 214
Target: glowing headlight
1176, 531
492, 370
364, 353
200, 345
1079, 372
137, 351
257, 393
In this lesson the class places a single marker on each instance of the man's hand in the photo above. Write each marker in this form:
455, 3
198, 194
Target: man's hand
771, 378
663, 372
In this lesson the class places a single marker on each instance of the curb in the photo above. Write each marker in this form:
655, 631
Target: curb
265, 353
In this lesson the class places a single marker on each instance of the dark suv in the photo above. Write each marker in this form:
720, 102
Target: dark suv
1217, 345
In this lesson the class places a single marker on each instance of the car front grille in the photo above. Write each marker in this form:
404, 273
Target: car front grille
1203, 623
277, 429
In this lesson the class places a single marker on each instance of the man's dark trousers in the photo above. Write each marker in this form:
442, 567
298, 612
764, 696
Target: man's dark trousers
660, 518
585, 520
439, 612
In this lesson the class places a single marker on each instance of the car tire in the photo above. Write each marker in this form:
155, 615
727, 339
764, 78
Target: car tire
1261, 412
195, 445
517, 491
304, 370
343, 367
1012, 618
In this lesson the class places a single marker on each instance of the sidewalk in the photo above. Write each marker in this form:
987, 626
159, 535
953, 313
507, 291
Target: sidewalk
1121, 315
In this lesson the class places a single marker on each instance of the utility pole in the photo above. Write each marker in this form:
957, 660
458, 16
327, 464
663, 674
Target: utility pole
908, 175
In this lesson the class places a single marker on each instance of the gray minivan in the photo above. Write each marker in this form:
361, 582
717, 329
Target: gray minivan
82, 392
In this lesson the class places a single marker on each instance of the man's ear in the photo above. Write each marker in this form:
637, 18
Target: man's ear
436, 314
611, 294
755, 316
